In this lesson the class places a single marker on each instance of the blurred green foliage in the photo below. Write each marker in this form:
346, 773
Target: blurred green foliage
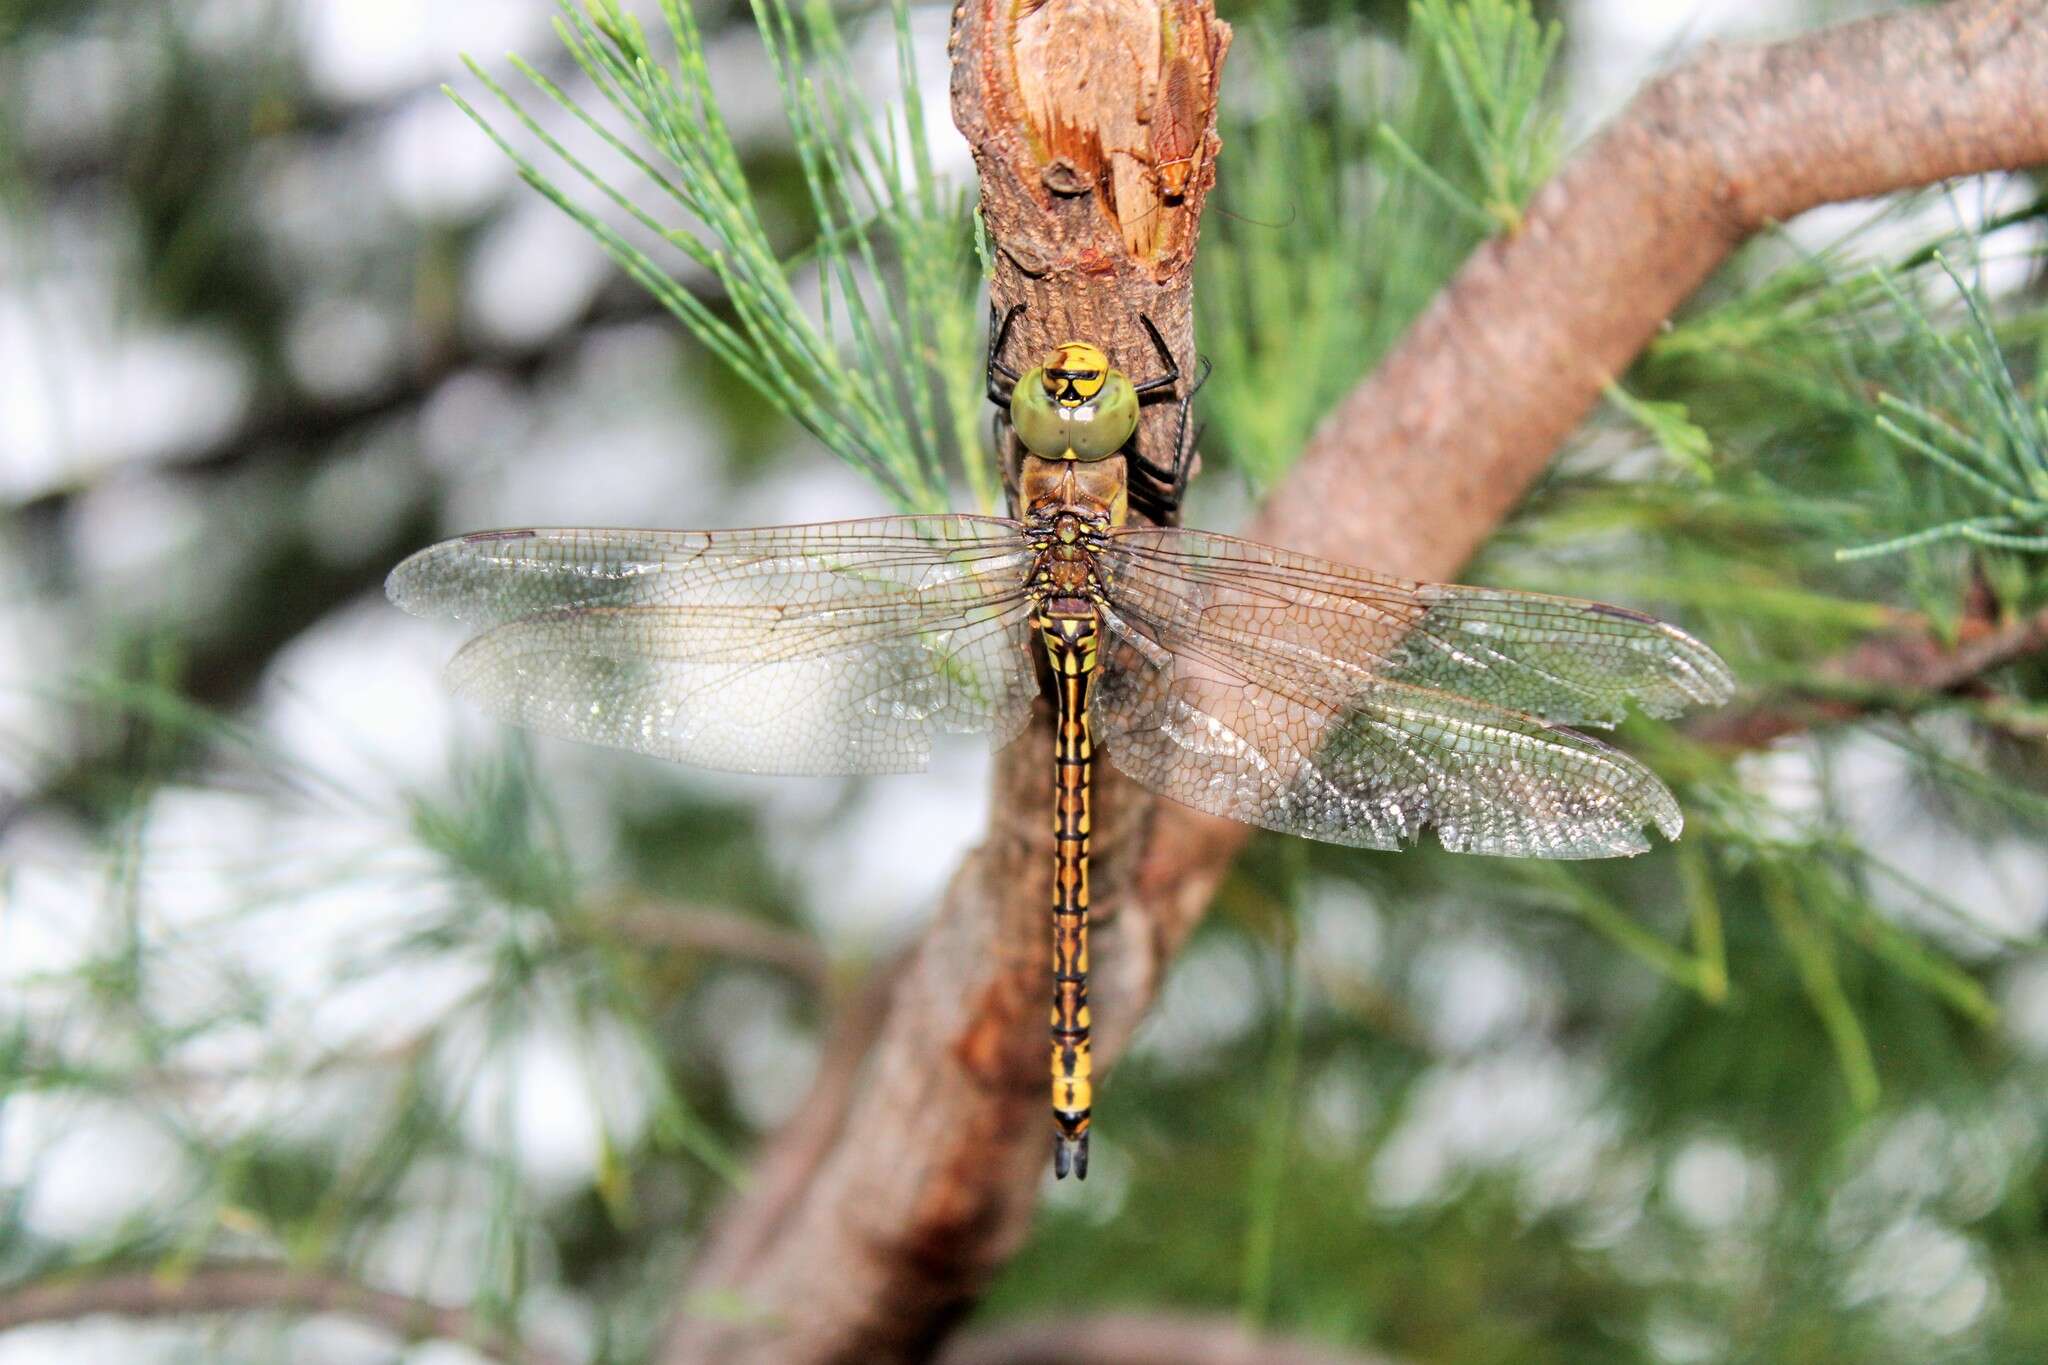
1304, 281
1772, 1094
888, 245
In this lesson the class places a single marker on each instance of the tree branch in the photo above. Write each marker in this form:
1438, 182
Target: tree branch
929, 1185
1130, 1339
288, 428
1093, 128
1419, 463
704, 930
1909, 664
255, 1287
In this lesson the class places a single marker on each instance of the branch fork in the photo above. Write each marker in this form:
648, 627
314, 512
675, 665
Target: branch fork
1093, 128
908, 1177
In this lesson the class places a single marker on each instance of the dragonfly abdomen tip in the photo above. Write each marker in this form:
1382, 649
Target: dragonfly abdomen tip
1070, 1153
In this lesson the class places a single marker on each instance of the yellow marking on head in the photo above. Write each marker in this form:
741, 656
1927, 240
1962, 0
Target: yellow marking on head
1074, 373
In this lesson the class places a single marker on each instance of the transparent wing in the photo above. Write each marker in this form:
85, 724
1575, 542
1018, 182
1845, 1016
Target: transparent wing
1306, 697
1582, 663
844, 647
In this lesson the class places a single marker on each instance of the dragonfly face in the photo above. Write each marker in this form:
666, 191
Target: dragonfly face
1076, 409
1075, 406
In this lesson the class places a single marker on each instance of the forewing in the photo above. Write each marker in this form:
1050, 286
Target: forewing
1559, 658
838, 648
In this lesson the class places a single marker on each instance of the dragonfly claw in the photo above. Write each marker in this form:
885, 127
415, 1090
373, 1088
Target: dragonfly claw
1070, 1154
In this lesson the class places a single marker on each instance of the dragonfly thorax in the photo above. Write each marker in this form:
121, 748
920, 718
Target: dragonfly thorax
1096, 493
1065, 580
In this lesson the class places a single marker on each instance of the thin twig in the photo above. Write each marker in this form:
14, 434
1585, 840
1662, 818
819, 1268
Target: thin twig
1134, 1339
1909, 666
721, 933
255, 1287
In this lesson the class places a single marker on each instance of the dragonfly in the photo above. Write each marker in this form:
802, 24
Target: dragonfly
1278, 689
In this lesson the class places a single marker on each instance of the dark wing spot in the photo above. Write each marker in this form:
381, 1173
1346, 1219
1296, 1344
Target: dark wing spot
1620, 613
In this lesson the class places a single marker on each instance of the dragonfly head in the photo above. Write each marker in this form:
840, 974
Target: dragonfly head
1075, 406
1073, 373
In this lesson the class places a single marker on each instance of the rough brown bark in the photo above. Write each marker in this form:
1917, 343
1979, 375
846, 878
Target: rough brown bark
928, 1184
254, 1288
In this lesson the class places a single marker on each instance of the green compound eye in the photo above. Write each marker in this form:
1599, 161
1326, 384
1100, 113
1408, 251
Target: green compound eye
1054, 426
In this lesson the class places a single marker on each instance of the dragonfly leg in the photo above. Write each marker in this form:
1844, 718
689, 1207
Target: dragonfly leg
1159, 489
1006, 455
1165, 382
1002, 380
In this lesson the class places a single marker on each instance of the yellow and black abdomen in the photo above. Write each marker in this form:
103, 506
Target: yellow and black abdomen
1070, 629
